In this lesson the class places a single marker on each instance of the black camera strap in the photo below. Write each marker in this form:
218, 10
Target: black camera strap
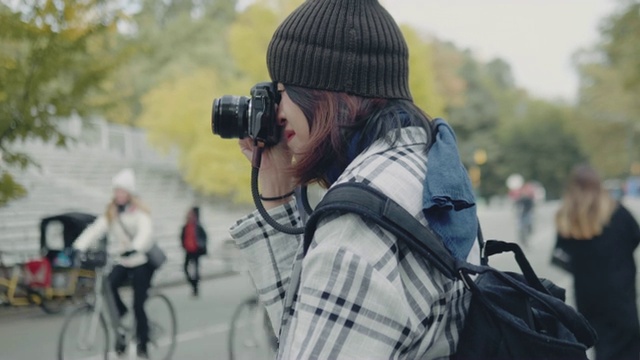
301, 197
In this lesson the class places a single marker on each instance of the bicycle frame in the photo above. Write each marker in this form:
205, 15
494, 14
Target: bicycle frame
103, 295
103, 303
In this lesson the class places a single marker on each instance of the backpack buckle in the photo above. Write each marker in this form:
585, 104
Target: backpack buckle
464, 279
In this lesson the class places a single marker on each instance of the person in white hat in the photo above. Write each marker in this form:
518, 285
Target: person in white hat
127, 224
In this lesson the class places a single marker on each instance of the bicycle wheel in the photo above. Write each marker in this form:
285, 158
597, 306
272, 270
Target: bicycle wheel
53, 305
162, 327
251, 335
84, 335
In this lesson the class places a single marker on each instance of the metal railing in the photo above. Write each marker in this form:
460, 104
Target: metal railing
130, 143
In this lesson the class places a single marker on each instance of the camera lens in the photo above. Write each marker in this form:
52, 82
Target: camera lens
229, 117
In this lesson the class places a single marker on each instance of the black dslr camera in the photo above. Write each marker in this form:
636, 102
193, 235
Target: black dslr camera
239, 116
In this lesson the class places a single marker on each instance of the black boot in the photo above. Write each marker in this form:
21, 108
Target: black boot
194, 288
121, 344
142, 351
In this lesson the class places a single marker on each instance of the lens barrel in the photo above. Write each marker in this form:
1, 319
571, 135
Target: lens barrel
229, 116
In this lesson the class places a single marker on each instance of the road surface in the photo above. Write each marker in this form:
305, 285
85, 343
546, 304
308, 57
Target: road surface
203, 322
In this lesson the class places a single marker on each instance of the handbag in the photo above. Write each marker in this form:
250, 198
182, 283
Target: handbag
561, 259
155, 256
511, 315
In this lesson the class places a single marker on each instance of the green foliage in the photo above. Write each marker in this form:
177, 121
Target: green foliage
176, 115
609, 124
54, 55
447, 61
247, 46
489, 112
160, 65
622, 45
9, 188
177, 108
477, 115
480, 111
169, 39
422, 79
541, 146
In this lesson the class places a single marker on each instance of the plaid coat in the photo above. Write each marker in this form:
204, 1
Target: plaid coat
358, 293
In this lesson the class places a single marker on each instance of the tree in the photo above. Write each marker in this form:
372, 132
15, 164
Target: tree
609, 90
54, 55
176, 111
541, 147
176, 115
448, 60
622, 45
247, 46
422, 78
608, 124
169, 39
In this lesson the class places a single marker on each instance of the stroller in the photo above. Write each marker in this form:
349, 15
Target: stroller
53, 279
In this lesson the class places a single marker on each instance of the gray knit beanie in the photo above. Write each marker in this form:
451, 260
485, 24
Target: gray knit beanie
351, 46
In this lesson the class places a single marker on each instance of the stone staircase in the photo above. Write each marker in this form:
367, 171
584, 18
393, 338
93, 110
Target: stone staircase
78, 178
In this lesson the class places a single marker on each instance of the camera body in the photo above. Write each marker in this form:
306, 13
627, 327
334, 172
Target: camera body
254, 117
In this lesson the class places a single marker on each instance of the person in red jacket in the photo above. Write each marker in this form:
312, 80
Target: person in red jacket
194, 242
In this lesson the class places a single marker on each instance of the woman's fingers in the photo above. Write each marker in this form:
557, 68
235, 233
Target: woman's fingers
246, 146
275, 167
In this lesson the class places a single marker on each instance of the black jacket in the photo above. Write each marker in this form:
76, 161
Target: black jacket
604, 273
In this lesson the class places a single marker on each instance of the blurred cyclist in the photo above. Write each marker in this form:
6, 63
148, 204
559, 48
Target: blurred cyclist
128, 225
525, 204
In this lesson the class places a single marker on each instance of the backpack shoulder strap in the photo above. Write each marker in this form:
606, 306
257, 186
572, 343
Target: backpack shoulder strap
361, 199
371, 204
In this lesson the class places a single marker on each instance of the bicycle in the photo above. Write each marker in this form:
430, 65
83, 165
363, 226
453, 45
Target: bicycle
250, 334
86, 333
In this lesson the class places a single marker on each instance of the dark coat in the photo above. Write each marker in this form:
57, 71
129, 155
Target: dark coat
604, 273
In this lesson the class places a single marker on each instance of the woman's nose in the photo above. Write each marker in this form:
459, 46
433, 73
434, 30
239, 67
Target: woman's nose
281, 120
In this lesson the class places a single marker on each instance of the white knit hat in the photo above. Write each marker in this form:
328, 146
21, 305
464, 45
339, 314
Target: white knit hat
125, 180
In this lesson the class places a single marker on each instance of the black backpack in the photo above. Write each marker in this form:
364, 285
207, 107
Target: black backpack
511, 316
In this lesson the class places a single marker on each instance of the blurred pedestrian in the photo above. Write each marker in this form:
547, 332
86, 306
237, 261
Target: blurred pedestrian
194, 242
525, 200
128, 224
600, 236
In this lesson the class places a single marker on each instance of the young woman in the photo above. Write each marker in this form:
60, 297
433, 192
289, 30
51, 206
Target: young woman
127, 224
600, 235
347, 113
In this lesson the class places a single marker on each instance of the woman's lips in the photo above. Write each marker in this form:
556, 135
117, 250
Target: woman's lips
289, 134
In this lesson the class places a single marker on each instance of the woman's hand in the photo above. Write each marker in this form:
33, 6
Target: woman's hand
276, 172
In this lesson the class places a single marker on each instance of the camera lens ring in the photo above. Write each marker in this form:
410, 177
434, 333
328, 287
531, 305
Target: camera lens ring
230, 116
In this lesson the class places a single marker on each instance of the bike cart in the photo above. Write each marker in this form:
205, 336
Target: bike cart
50, 280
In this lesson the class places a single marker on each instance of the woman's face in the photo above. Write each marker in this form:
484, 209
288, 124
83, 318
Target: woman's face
121, 197
296, 126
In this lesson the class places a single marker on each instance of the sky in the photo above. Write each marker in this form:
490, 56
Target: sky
536, 37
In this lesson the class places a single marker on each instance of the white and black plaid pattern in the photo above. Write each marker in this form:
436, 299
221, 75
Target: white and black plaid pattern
358, 293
